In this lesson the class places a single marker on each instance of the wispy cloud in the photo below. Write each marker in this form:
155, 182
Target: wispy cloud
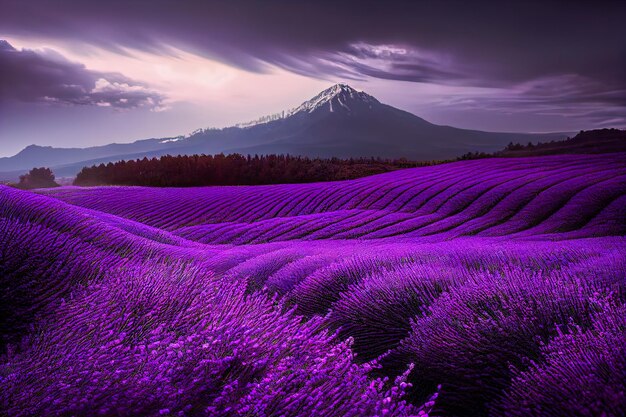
568, 95
47, 76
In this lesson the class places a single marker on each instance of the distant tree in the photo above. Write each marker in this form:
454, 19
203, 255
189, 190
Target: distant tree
235, 169
514, 146
37, 178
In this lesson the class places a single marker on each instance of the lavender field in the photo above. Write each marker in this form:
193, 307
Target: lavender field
492, 287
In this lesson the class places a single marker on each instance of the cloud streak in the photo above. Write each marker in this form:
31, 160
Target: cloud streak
508, 42
467, 44
567, 95
558, 57
46, 76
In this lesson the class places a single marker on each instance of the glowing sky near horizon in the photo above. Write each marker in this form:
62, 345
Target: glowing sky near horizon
81, 75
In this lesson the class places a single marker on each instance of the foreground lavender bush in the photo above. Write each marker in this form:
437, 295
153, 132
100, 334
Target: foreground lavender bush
582, 373
168, 341
472, 336
378, 310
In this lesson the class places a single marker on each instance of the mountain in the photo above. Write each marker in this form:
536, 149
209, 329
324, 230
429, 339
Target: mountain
339, 121
50, 156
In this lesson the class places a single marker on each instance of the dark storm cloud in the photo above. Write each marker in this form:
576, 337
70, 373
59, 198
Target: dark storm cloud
459, 43
46, 76
511, 41
568, 95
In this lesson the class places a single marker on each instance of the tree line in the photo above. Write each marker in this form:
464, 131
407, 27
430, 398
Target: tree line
235, 169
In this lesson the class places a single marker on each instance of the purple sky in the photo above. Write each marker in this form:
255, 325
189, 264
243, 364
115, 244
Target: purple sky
81, 73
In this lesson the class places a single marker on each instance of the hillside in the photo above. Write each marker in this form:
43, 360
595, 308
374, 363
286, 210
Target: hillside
338, 122
585, 142
495, 278
487, 197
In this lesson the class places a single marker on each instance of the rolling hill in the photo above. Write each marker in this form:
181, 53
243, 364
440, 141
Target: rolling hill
585, 142
472, 288
487, 197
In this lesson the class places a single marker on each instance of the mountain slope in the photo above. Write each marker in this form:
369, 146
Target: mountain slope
339, 121
50, 156
343, 122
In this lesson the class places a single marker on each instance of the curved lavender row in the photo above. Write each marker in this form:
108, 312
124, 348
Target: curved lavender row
497, 207
377, 310
609, 220
487, 197
31, 208
547, 202
485, 206
583, 207
263, 230
38, 267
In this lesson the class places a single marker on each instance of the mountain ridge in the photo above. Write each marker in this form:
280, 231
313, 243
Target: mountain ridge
339, 121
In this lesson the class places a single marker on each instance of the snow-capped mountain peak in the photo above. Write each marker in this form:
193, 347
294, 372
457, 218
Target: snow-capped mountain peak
338, 97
